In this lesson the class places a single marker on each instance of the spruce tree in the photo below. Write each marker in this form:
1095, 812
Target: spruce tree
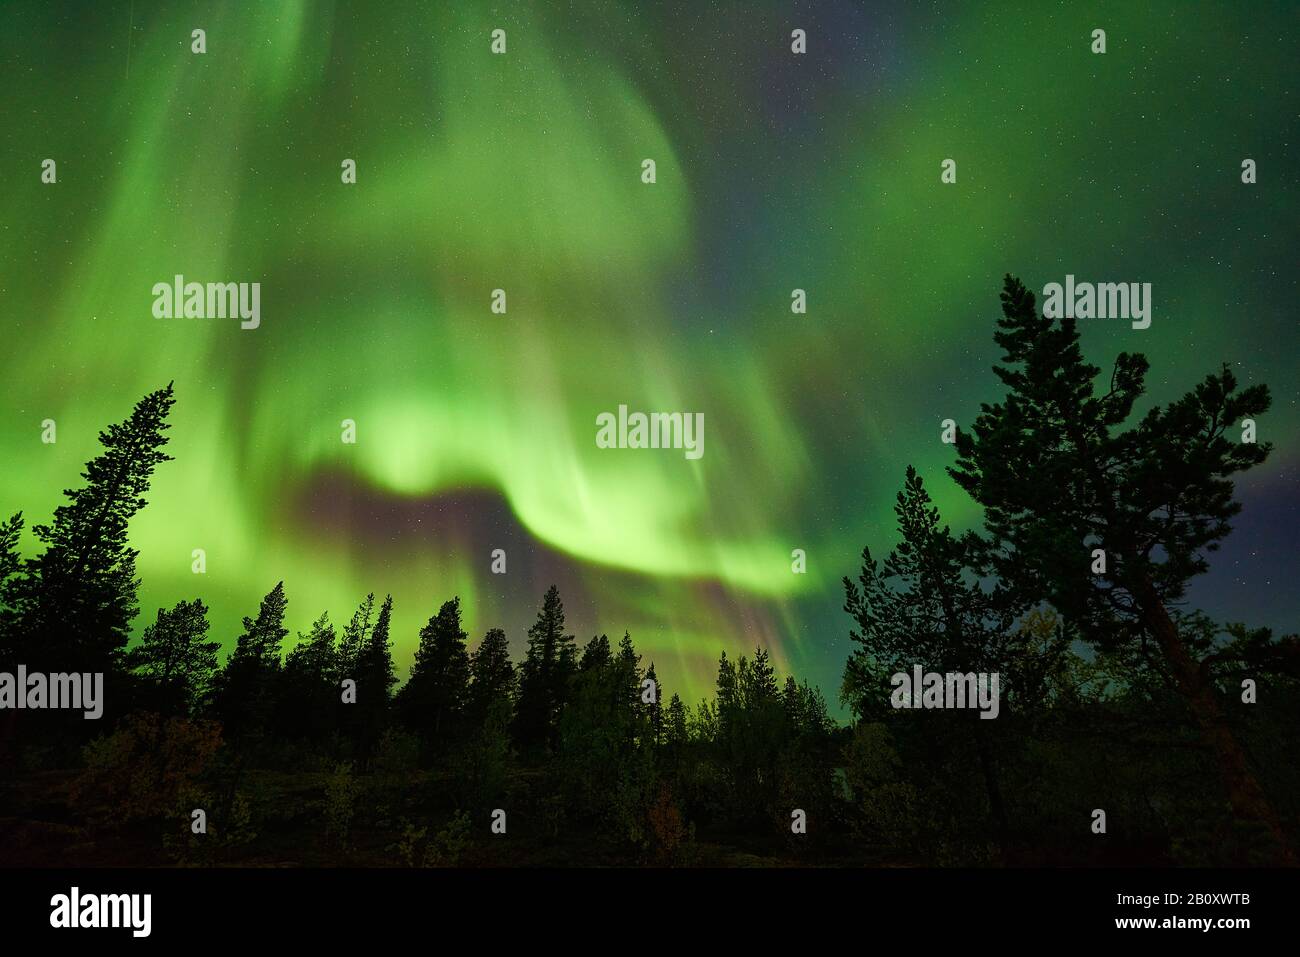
675, 729
356, 635
492, 680
792, 705
434, 699
727, 698
595, 655
926, 605
244, 691
761, 689
629, 671
655, 709
310, 691
10, 562
544, 677
175, 658
74, 602
375, 679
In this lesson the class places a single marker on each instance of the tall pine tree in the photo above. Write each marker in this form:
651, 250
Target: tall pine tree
244, 693
545, 677
375, 679
310, 697
493, 682
10, 562
1063, 480
434, 699
74, 602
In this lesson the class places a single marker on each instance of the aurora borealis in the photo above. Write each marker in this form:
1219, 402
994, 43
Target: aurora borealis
522, 172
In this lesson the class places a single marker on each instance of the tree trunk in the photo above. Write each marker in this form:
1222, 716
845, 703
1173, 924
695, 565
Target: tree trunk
994, 791
1247, 798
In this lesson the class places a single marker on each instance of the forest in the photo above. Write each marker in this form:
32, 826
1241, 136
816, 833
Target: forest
1116, 697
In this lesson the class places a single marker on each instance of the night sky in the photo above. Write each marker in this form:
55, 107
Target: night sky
522, 171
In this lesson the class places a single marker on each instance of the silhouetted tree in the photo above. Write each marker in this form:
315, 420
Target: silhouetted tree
595, 655
627, 679
10, 562
483, 759
375, 680
493, 682
310, 695
728, 699
244, 691
655, 710
927, 606
74, 602
1059, 477
434, 699
675, 731
175, 659
356, 635
544, 677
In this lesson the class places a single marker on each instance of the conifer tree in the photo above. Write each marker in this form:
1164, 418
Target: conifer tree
174, 656
675, 727
493, 683
727, 697
10, 562
310, 683
596, 654
925, 606
792, 704
761, 690
244, 692
629, 671
375, 679
629, 712
655, 710
434, 699
1061, 476
356, 635
74, 602
545, 676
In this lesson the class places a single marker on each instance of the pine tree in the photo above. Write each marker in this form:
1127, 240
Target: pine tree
1059, 476
655, 709
175, 657
728, 701
629, 670
75, 601
675, 730
761, 690
792, 705
375, 679
315, 656
310, 692
596, 655
356, 635
493, 682
243, 696
926, 606
434, 699
545, 676
10, 562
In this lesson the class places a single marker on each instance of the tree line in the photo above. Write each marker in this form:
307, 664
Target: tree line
1118, 698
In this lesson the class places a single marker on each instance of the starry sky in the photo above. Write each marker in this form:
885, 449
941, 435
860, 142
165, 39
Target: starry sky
774, 171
